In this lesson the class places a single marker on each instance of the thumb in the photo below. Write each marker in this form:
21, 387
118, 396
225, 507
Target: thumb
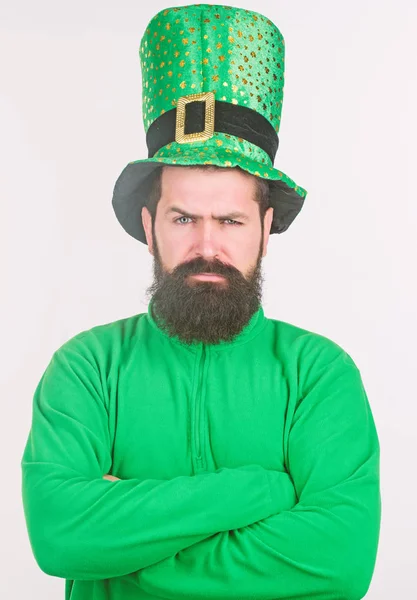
111, 477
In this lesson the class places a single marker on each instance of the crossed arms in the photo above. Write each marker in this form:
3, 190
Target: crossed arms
260, 534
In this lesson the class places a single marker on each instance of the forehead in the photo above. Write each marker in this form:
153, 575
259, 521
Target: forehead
206, 189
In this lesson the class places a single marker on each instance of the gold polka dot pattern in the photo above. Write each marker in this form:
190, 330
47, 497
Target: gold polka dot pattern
236, 53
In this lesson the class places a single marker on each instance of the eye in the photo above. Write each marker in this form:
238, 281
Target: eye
177, 220
231, 221
234, 222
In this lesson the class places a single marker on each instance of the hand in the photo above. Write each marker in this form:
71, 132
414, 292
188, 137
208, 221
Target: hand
111, 477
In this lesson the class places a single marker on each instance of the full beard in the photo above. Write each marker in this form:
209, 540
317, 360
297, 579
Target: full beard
204, 311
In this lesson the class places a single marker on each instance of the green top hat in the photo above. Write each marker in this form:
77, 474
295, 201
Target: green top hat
212, 86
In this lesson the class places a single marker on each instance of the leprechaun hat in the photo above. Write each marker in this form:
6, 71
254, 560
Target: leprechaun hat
212, 87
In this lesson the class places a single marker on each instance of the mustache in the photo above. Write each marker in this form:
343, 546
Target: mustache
201, 265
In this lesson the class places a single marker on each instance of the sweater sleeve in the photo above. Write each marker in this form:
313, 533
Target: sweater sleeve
84, 527
325, 546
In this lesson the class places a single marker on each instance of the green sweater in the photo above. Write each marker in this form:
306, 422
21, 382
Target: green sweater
248, 469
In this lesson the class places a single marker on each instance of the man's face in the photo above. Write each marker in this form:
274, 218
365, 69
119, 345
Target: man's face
207, 222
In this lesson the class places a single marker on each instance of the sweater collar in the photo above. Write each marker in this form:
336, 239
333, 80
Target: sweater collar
254, 326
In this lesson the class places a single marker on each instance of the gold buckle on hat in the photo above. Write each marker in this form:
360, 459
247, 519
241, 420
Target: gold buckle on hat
200, 136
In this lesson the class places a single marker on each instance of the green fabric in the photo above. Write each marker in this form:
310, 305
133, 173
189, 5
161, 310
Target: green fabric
248, 469
223, 150
237, 54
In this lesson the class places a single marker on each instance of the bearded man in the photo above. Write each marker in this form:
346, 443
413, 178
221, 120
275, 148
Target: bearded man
202, 449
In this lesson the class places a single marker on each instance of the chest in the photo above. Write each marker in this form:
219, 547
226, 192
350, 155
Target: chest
180, 414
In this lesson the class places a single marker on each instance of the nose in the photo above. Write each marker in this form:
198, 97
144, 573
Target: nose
207, 240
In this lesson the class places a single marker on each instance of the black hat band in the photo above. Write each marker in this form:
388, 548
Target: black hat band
232, 119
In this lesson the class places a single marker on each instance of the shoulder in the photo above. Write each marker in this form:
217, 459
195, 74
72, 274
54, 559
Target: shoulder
307, 347
316, 365
103, 340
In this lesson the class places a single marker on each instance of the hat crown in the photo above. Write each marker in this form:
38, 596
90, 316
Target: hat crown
236, 53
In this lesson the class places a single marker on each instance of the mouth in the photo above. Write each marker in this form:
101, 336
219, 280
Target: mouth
208, 277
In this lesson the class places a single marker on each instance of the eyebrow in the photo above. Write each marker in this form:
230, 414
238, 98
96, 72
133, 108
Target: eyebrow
233, 215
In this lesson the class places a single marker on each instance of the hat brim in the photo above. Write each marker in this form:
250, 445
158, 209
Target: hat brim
132, 188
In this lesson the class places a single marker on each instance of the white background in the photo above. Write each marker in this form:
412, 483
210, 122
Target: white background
70, 120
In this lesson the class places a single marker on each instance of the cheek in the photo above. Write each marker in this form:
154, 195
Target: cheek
172, 246
243, 253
